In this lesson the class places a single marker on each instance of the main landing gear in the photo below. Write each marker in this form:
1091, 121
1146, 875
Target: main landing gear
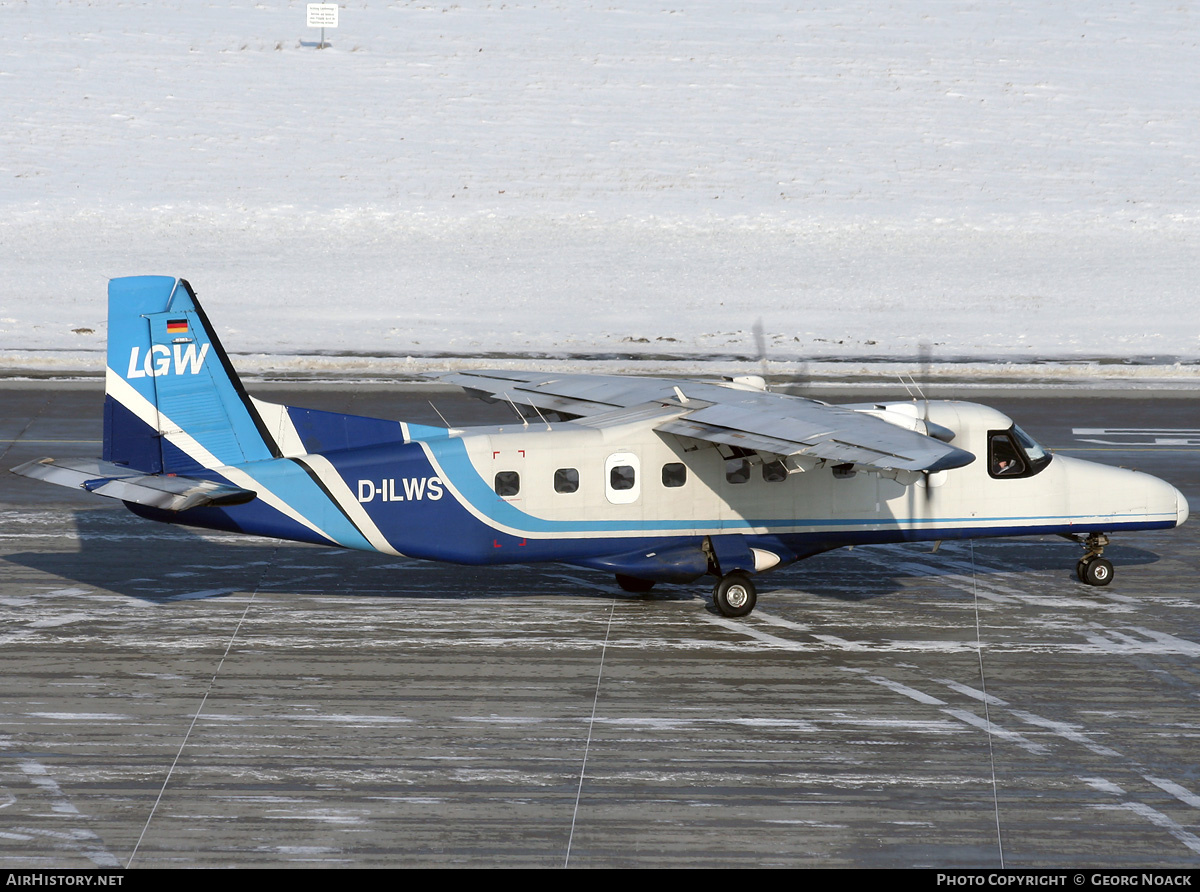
734, 594
1092, 568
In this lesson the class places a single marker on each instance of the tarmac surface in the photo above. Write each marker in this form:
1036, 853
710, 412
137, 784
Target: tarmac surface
174, 698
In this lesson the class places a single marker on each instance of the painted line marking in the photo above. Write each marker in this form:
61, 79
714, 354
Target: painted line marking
84, 841
1180, 792
744, 629
1159, 819
973, 693
911, 693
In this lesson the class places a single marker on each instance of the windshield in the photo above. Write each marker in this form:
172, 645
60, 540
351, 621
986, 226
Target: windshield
1036, 452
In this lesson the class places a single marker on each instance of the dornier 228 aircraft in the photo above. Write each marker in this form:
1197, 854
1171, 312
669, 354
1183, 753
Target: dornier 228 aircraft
652, 480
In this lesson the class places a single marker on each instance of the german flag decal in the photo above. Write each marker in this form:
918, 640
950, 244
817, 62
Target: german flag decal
177, 326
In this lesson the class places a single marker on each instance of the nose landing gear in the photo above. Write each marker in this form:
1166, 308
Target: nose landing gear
1092, 568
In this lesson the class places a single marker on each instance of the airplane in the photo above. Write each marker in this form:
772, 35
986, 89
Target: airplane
650, 479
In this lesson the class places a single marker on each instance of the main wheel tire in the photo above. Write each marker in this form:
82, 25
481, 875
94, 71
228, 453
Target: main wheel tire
734, 595
633, 584
1081, 567
1099, 571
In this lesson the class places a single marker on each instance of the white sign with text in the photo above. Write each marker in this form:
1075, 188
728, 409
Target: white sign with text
322, 15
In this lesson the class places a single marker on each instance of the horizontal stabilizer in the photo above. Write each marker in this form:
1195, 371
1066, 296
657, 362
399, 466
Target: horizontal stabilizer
119, 482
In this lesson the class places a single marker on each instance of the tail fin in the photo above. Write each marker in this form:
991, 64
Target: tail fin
173, 403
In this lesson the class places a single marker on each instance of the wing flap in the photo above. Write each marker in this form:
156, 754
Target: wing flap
171, 493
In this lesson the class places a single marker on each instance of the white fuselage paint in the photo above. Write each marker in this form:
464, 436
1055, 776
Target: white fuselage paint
1069, 492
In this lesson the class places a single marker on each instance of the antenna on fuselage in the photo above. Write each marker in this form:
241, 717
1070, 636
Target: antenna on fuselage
541, 416
915, 392
449, 428
524, 420
921, 392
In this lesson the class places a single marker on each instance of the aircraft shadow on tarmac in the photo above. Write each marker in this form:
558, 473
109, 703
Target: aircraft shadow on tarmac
120, 553
863, 573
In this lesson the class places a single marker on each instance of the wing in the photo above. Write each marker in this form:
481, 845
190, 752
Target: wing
730, 414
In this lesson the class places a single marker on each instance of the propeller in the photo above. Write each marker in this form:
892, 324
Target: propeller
924, 359
760, 344
756, 382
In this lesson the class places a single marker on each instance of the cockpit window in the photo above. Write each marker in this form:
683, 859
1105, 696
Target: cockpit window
1005, 460
1013, 453
1036, 452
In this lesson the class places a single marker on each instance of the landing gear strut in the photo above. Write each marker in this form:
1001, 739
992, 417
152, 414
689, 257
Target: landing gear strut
1092, 568
734, 594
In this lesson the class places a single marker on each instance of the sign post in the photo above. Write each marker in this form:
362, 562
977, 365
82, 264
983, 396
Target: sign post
322, 15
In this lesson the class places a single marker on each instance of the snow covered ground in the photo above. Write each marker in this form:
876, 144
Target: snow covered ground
1005, 181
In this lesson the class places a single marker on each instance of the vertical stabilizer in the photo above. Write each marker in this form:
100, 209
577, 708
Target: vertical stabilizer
173, 403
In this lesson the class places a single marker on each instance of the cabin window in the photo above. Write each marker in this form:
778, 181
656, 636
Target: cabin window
622, 477
566, 480
674, 474
1013, 453
774, 471
737, 470
621, 483
508, 483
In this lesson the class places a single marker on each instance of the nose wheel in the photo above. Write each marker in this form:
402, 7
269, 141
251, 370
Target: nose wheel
1092, 568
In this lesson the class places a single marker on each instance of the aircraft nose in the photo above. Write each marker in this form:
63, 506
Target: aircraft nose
1181, 508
